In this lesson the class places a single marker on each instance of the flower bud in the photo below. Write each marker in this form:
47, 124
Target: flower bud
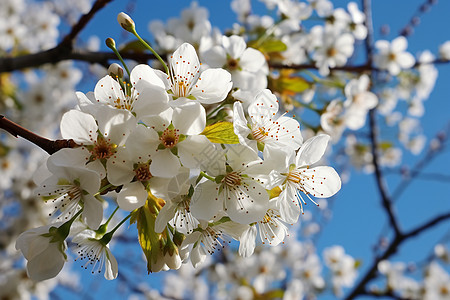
110, 43
115, 70
125, 21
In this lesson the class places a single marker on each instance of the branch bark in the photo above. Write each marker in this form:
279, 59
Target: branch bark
47, 145
359, 289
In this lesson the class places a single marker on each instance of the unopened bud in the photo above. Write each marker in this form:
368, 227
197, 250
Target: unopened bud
111, 43
115, 70
125, 21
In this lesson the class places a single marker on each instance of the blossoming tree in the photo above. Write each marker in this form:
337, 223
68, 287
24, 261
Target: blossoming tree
200, 152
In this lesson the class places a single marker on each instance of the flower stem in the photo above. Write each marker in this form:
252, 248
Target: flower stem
103, 189
121, 60
107, 237
207, 176
64, 229
166, 69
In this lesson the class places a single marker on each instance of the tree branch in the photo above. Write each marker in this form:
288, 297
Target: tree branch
63, 51
386, 201
359, 289
47, 145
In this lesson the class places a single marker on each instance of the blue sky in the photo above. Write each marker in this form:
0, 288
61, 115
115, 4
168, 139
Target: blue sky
357, 216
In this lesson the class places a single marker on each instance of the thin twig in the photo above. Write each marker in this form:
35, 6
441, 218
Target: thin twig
47, 145
392, 249
59, 53
385, 198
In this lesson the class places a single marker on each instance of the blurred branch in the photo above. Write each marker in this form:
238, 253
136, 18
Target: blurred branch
61, 52
386, 200
420, 165
55, 55
359, 289
425, 7
47, 145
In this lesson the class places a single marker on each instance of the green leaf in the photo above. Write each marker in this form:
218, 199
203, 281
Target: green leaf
133, 46
221, 133
148, 239
294, 84
269, 45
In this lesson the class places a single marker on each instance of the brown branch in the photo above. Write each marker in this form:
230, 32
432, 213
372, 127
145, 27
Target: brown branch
55, 55
63, 51
47, 145
419, 166
359, 289
385, 198
83, 21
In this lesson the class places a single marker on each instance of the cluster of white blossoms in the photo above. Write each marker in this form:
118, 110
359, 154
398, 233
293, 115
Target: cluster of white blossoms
189, 179
203, 154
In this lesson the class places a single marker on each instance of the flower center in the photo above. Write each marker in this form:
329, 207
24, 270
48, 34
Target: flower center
392, 57
103, 149
182, 88
142, 172
260, 134
232, 64
169, 138
332, 52
232, 179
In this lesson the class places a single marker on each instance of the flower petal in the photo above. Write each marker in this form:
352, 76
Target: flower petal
165, 164
131, 196
325, 183
111, 266
79, 126
212, 86
206, 202
190, 118
312, 150
92, 212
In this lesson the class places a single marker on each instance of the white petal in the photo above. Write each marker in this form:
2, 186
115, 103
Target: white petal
234, 45
144, 75
198, 255
165, 215
247, 242
190, 118
143, 142
240, 123
406, 60
399, 44
247, 204
47, 264
212, 86
107, 91
264, 107
92, 212
288, 205
252, 60
151, 100
326, 182
78, 126
184, 54
111, 266
68, 157
238, 156
382, 46
132, 196
165, 164
215, 57
192, 150
120, 168
312, 150
115, 125
206, 202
